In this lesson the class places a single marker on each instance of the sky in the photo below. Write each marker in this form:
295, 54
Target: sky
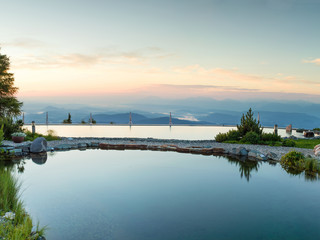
74, 50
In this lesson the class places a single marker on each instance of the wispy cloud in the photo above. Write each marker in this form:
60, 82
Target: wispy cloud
193, 87
25, 43
314, 61
103, 57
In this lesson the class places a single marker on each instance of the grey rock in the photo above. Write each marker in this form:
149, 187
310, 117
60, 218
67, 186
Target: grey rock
39, 145
241, 151
18, 152
272, 156
63, 147
257, 155
82, 145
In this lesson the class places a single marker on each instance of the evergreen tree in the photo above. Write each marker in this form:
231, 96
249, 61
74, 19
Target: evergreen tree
9, 105
249, 124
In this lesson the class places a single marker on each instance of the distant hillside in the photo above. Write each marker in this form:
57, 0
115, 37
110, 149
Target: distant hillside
121, 118
165, 120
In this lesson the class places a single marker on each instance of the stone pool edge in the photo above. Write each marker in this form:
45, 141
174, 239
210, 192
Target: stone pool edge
203, 147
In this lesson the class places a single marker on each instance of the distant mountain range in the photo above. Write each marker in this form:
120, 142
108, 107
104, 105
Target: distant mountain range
188, 111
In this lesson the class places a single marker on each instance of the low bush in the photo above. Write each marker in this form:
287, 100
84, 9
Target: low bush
10, 126
221, 137
251, 137
1, 135
270, 137
51, 136
289, 143
312, 165
293, 162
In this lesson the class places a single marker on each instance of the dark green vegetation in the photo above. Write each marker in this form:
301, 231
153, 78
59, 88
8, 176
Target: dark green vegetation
51, 136
20, 226
251, 132
68, 120
295, 163
10, 107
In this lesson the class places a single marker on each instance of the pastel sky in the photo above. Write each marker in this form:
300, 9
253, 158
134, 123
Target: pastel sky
170, 48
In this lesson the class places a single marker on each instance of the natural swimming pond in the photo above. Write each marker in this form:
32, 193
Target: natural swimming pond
98, 194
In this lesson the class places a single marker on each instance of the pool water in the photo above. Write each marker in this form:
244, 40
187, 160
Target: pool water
98, 194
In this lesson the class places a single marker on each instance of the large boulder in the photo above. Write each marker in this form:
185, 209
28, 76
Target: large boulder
39, 145
317, 150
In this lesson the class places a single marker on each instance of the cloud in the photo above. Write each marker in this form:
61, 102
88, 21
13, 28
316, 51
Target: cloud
193, 87
25, 43
314, 61
103, 57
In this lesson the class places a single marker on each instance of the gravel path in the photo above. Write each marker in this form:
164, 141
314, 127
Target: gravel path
279, 151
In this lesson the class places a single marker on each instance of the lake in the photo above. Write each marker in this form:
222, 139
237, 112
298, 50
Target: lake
161, 132
137, 195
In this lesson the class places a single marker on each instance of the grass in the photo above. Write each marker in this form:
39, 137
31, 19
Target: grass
21, 226
306, 143
299, 143
51, 136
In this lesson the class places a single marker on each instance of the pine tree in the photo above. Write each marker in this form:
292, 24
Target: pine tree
9, 105
249, 124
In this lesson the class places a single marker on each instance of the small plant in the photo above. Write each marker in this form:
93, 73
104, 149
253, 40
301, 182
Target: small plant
293, 162
312, 165
18, 134
270, 137
1, 135
288, 143
221, 137
251, 137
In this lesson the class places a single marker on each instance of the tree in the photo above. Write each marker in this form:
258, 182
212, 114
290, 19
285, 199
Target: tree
68, 120
249, 124
9, 105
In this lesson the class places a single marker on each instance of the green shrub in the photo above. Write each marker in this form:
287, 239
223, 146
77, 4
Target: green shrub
293, 162
312, 165
288, 143
51, 136
316, 129
10, 126
233, 135
221, 137
251, 137
270, 137
249, 124
1, 135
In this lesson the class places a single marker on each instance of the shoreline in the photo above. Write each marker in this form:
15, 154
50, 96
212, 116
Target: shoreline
204, 147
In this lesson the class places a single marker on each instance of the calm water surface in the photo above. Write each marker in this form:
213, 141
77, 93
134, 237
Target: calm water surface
162, 132
98, 194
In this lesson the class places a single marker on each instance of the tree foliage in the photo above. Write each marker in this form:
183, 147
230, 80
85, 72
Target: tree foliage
68, 120
9, 105
249, 124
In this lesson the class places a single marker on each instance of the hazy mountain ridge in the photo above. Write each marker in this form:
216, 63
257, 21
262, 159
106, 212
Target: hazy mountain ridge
206, 111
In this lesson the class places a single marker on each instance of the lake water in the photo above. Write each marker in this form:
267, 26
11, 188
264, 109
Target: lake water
143, 195
161, 132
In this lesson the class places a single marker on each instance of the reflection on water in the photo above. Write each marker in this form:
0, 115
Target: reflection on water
245, 165
140, 195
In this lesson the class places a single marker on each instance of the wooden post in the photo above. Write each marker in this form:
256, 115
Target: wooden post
275, 130
33, 127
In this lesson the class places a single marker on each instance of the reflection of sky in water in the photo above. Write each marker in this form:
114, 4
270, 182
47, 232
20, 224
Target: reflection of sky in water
98, 194
162, 132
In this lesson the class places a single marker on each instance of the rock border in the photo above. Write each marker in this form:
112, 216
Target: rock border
203, 147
